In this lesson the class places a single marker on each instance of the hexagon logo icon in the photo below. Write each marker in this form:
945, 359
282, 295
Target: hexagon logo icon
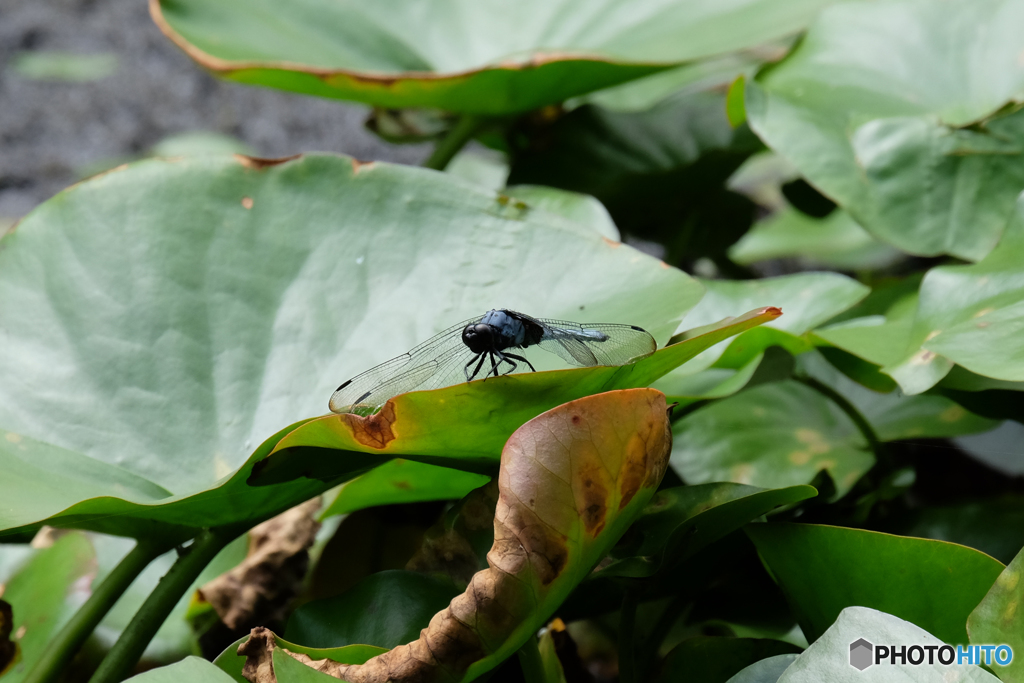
861, 654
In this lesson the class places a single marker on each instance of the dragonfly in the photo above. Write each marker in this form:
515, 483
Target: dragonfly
491, 344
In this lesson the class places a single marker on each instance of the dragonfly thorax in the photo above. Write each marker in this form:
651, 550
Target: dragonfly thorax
499, 330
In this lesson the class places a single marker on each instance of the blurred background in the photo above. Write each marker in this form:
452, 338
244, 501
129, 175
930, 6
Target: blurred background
89, 84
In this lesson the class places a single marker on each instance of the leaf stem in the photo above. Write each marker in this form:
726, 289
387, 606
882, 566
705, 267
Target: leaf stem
454, 140
530, 661
627, 637
119, 662
67, 642
851, 411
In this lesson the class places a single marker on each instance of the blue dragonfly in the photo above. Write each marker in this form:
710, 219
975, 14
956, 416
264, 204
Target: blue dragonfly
492, 344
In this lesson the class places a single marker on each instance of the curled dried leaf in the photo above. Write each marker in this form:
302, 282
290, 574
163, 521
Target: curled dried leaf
259, 656
272, 572
571, 482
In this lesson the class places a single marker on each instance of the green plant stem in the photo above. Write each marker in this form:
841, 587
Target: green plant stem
454, 140
851, 410
627, 637
67, 642
530, 661
119, 662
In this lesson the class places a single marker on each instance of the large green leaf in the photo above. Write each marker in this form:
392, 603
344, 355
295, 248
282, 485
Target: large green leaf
879, 338
894, 416
772, 436
167, 317
41, 480
43, 595
825, 569
582, 208
466, 425
126, 512
385, 609
682, 520
715, 73
888, 109
403, 481
660, 172
827, 659
978, 322
710, 383
968, 315
835, 241
806, 299
997, 619
463, 56
890, 295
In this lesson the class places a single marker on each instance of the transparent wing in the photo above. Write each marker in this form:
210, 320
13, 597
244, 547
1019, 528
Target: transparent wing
590, 344
435, 363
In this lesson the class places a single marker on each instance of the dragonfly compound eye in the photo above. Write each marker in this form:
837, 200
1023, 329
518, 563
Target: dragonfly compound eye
478, 337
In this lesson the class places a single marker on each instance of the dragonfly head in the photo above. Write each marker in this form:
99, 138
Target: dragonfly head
479, 337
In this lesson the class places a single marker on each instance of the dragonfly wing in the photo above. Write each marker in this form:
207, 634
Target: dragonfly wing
426, 366
604, 343
570, 349
355, 398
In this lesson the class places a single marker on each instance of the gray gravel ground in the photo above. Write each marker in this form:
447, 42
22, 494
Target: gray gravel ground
51, 131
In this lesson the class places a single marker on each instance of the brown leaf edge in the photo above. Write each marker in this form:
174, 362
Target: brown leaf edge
532, 532
222, 66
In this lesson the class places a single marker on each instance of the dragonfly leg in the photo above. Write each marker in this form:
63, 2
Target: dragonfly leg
504, 359
494, 365
465, 369
512, 355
